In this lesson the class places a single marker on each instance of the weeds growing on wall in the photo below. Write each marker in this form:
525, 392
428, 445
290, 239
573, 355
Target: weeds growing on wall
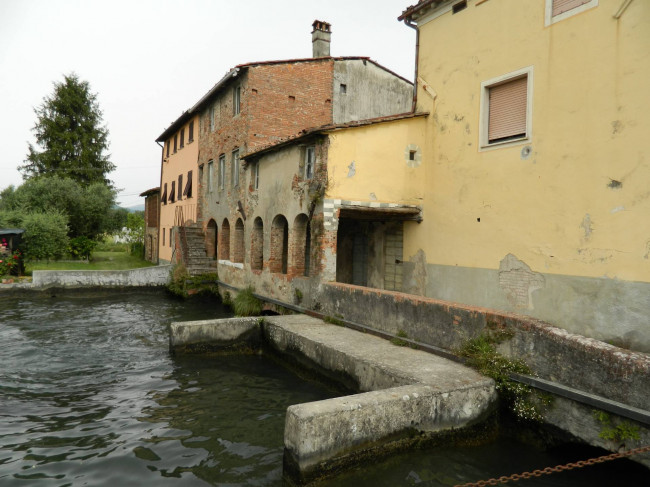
246, 304
397, 339
618, 433
183, 285
519, 398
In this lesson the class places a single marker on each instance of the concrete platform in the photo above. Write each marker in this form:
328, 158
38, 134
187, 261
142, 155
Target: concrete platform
401, 391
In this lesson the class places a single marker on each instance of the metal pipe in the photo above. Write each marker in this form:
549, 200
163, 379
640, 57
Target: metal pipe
413, 26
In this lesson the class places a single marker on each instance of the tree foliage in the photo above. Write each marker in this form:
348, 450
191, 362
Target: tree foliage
70, 132
46, 235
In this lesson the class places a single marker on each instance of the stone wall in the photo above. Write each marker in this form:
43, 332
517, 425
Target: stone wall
146, 276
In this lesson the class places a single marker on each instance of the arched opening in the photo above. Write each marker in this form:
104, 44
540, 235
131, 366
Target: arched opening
211, 242
279, 245
238, 251
299, 248
224, 245
257, 245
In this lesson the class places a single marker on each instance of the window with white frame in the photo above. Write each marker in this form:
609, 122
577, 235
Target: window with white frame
210, 175
212, 117
222, 171
557, 10
235, 168
506, 109
255, 176
236, 100
310, 159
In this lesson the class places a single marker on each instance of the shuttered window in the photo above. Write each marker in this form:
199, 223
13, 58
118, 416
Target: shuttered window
164, 195
187, 192
172, 193
180, 187
507, 110
561, 6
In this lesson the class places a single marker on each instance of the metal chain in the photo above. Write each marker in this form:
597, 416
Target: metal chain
556, 469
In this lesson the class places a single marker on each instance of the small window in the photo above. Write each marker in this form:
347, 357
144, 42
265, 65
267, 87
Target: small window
170, 237
212, 118
191, 132
459, 6
180, 187
506, 109
309, 162
163, 199
210, 175
172, 192
187, 192
163, 235
182, 138
168, 146
557, 10
412, 155
236, 100
256, 175
343, 89
235, 168
175, 143
222, 171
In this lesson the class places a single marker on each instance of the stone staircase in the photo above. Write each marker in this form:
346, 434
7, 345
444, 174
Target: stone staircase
194, 254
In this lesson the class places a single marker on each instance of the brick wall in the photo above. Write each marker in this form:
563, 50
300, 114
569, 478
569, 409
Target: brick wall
151, 204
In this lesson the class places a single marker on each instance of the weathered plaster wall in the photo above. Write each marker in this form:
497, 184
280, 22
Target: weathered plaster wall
369, 91
571, 201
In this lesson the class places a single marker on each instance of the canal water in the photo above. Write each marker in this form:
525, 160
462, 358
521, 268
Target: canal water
89, 396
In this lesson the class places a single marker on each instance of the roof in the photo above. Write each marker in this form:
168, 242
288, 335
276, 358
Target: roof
234, 72
413, 9
307, 133
150, 192
11, 231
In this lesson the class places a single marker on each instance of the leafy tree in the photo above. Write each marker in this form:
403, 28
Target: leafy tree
46, 235
70, 132
134, 233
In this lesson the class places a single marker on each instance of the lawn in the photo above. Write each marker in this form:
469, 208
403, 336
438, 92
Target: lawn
100, 261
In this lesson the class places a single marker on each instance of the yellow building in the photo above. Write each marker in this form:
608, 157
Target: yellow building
178, 182
536, 172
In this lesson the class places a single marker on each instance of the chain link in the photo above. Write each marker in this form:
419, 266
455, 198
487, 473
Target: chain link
558, 468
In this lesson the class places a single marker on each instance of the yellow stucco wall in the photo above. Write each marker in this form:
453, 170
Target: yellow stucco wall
181, 162
557, 210
372, 163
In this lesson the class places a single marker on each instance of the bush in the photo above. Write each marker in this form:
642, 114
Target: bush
46, 235
178, 282
245, 304
136, 249
81, 247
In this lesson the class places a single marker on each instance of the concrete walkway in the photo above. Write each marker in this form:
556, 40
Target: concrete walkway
401, 390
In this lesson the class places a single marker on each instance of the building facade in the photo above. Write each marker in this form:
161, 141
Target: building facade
151, 216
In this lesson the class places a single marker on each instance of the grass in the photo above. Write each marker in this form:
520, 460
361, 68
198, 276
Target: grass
100, 261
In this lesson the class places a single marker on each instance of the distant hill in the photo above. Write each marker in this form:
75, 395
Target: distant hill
135, 208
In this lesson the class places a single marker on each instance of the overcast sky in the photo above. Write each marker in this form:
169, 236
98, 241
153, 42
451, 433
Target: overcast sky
149, 60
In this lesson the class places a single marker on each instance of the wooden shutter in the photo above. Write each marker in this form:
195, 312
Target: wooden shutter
180, 187
172, 193
164, 195
187, 192
508, 103
561, 6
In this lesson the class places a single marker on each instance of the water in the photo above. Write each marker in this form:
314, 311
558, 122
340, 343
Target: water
89, 395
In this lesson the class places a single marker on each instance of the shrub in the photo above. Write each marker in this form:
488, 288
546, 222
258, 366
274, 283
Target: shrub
46, 235
81, 247
178, 282
246, 304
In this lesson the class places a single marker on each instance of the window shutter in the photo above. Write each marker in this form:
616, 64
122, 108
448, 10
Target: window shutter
187, 192
164, 195
508, 109
180, 187
561, 6
172, 193
191, 130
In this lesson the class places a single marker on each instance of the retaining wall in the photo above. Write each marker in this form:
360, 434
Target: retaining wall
145, 276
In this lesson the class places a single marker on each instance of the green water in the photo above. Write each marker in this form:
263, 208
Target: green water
89, 395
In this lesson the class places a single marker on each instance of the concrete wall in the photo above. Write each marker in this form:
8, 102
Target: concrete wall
369, 91
146, 276
553, 225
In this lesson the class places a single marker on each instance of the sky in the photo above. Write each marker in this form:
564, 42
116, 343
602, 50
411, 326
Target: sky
149, 60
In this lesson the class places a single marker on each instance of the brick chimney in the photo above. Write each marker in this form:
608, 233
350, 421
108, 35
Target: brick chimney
320, 38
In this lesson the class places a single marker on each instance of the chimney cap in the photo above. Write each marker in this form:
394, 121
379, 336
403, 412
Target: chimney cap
320, 25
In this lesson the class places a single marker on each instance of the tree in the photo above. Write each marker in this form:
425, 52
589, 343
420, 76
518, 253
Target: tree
69, 130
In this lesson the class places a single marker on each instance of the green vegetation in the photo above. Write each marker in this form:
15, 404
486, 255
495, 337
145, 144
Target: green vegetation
621, 432
397, 340
100, 261
183, 285
246, 304
334, 321
519, 398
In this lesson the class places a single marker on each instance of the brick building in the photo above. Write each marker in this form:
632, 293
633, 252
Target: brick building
151, 223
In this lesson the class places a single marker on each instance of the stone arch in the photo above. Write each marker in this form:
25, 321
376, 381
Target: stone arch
211, 239
238, 250
278, 261
300, 243
257, 245
224, 244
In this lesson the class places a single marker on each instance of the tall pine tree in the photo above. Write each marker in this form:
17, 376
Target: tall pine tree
70, 132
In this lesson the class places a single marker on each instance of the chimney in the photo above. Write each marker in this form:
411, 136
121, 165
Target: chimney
320, 38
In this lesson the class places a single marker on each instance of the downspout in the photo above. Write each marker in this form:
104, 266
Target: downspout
162, 160
413, 26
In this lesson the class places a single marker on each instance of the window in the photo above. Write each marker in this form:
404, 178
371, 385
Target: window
256, 175
343, 89
187, 192
212, 118
459, 6
557, 10
222, 171
163, 199
506, 105
182, 138
236, 100
191, 131
163, 235
168, 145
175, 143
170, 237
235, 168
210, 175
180, 187
309, 162
172, 193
